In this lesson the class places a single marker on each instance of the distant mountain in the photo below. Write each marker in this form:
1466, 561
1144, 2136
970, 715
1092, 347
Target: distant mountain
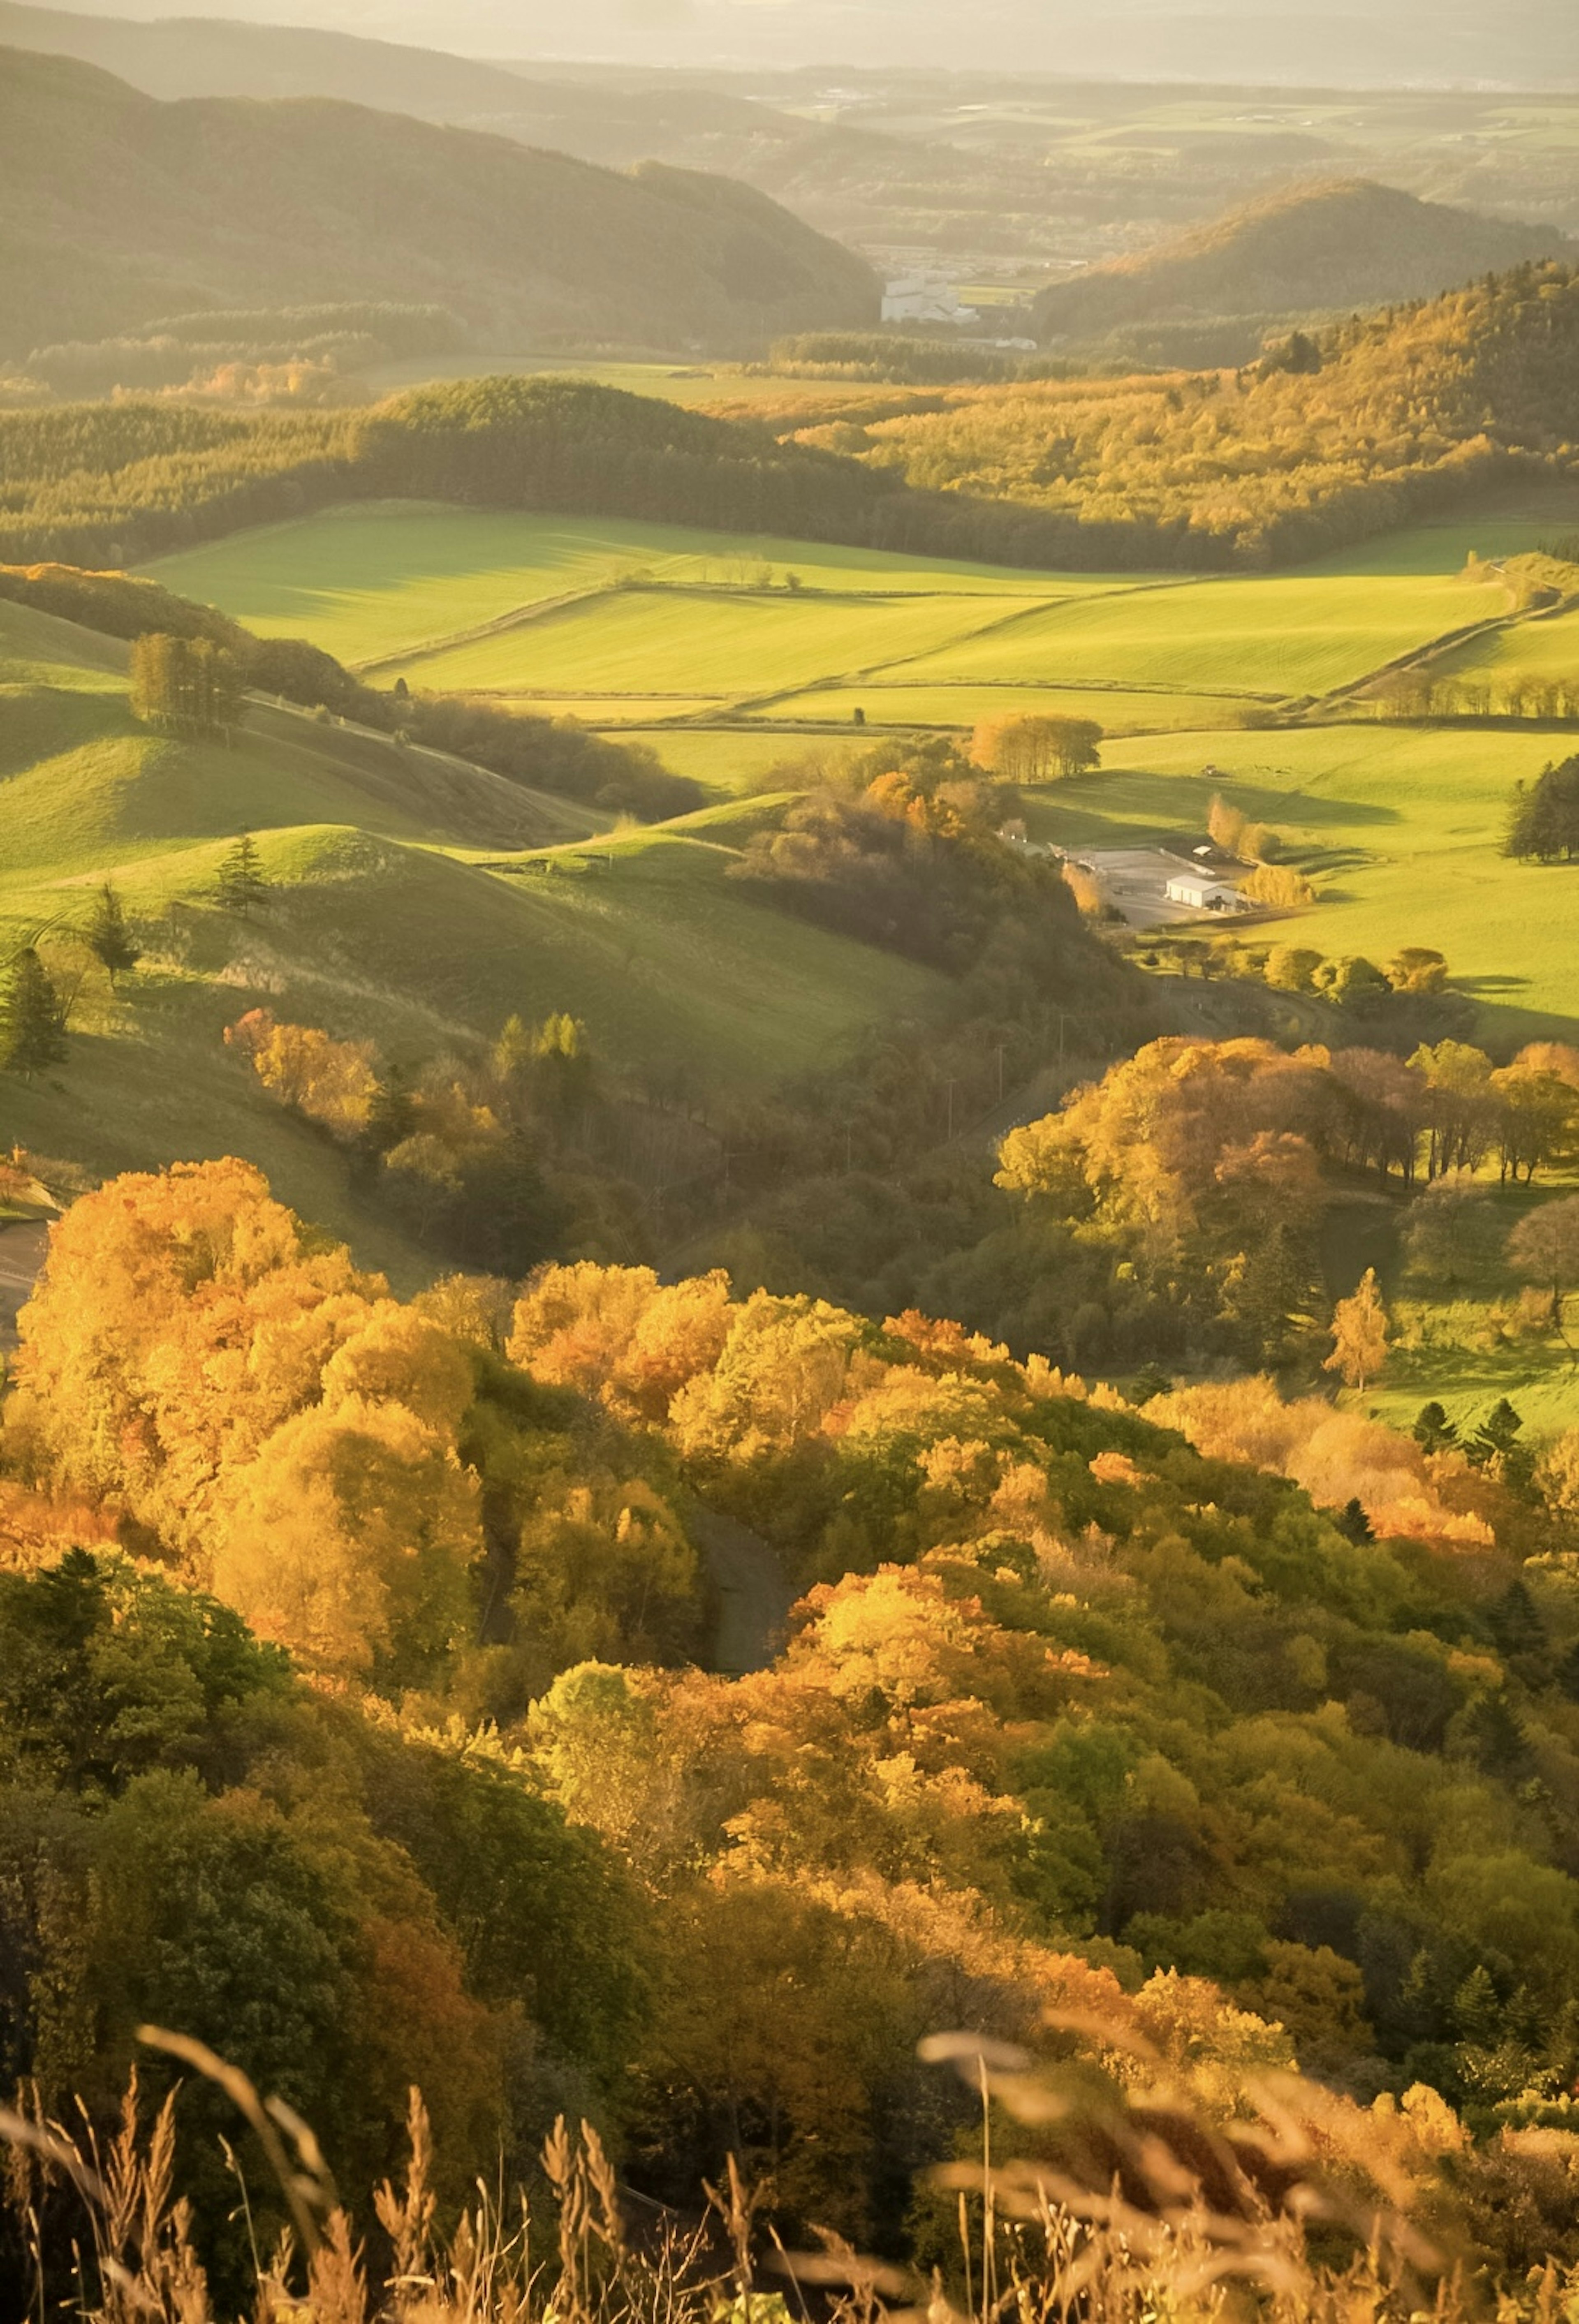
597, 121
1309, 249
116, 208
1530, 43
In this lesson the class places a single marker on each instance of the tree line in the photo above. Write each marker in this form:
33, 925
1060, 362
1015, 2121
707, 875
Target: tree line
1408, 411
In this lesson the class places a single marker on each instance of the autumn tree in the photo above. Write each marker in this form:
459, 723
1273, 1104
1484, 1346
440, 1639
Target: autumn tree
1360, 1334
185, 685
332, 1083
109, 939
1544, 1248
33, 1033
1538, 1115
1032, 749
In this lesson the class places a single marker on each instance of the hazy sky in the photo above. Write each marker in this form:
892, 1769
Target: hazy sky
1409, 39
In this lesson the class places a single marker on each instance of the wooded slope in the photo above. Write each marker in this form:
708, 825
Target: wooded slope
119, 209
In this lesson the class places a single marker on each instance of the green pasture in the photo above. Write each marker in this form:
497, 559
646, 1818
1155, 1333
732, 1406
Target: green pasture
690, 640
1117, 710
393, 916
1278, 638
1401, 830
375, 579
1538, 650
731, 760
620, 710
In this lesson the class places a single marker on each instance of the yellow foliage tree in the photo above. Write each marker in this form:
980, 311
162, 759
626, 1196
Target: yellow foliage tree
1360, 1334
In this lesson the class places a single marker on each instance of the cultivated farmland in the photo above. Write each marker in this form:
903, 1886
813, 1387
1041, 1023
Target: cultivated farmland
701, 644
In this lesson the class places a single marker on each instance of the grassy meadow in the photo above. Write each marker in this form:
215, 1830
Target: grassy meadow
694, 642
1399, 827
413, 904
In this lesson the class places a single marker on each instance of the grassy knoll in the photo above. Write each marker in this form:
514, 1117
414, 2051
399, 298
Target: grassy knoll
1401, 828
394, 916
385, 577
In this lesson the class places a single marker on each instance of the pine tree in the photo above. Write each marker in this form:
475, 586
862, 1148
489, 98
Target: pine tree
109, 938
1433, 1430
32, 1034
242, 883
1359, 1334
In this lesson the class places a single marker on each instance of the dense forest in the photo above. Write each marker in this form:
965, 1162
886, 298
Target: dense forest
1088, 1707
1392, 415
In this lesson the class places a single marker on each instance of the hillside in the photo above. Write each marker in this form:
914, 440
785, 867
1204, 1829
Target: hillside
120, 209
1304, 250
403, 909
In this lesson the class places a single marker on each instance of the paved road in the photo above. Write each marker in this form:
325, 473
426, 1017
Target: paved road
754, 1594
22, 1254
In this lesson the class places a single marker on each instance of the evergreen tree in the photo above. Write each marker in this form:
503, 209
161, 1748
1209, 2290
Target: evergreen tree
32, 1034
1353, 1524
1495, 1447
242, 883
1433, 1430
109, 938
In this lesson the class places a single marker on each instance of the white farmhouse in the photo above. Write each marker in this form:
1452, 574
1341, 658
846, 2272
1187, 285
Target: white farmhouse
924, 298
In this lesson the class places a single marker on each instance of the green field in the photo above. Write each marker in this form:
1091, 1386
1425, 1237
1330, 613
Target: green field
733, 643
370, 582
1538, 650
698, 387
405, 910
1279, 639
1117, 710
1400, 829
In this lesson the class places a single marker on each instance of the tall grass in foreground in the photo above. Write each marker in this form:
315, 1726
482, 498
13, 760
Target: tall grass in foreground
1107, 2211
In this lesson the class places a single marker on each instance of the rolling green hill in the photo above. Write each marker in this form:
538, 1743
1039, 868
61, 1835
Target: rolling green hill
406, 908
1304, 250
119, 209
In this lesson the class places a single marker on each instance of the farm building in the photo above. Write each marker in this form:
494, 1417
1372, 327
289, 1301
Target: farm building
1198, 892
924, 298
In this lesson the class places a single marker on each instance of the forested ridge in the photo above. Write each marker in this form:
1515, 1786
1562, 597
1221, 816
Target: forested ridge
1392, 415
1303, 249
123, 209
1087, 1707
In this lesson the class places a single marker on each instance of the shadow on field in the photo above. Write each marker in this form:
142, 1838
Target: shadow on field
1176, 802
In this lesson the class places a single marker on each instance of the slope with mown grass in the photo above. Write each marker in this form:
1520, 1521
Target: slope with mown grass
397, 912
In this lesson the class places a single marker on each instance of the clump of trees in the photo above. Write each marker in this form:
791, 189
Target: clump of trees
1035, 749
1542, 821
185, 685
